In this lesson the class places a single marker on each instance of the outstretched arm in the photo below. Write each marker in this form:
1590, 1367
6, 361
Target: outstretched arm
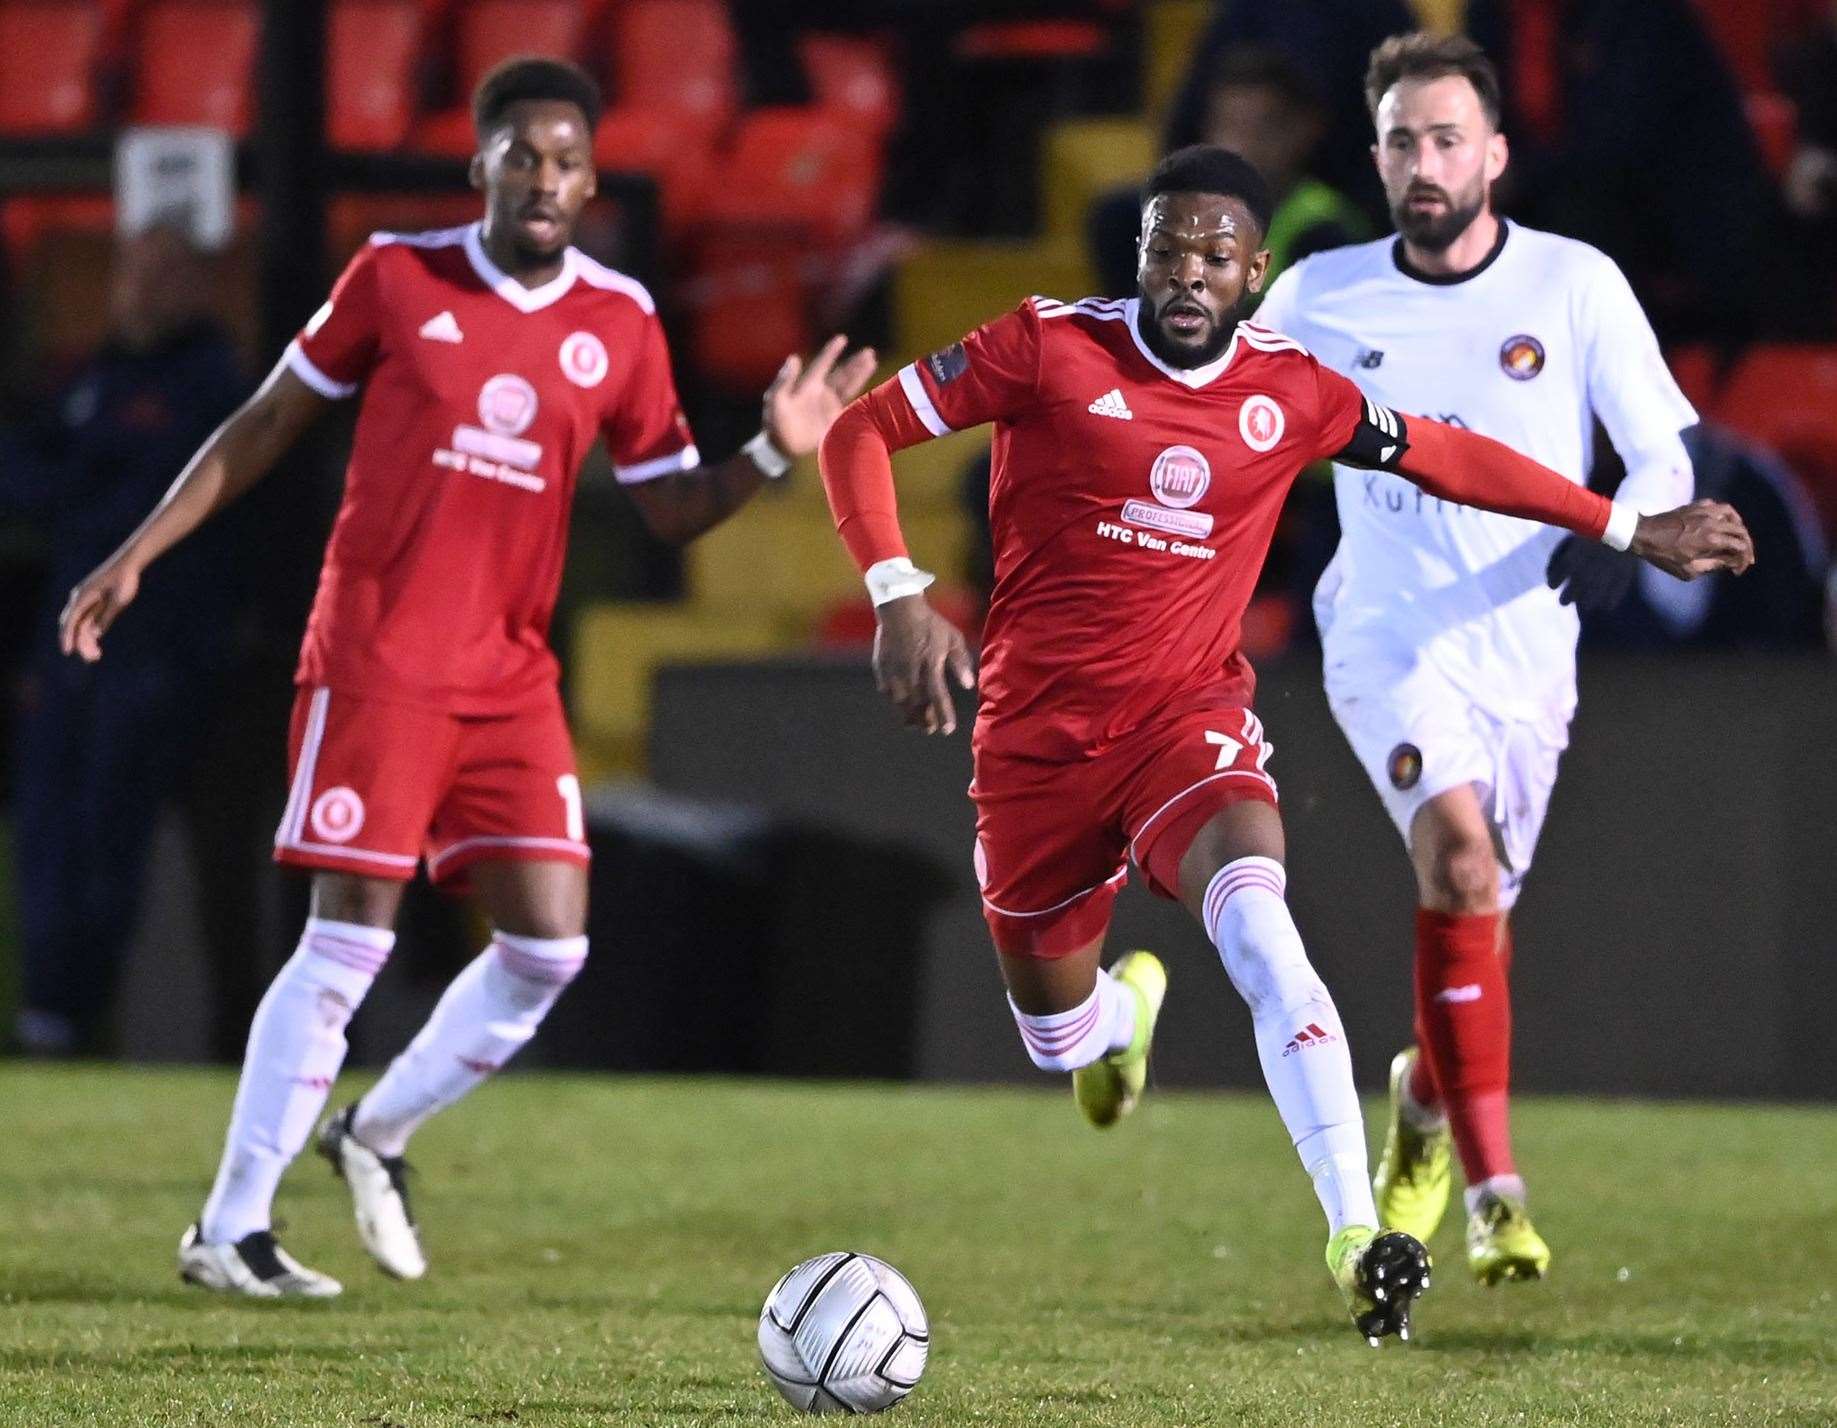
1475, 470
799, 406
237, 455
914, 646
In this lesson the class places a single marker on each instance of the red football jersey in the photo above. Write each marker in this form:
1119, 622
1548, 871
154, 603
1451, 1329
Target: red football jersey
481, 398
1132, 505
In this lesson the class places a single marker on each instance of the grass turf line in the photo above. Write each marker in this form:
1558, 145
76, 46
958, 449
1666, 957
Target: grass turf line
600, 1249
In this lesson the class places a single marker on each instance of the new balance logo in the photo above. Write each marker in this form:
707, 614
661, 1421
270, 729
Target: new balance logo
1469, 993
1370, 358
444, 328
1309, 1035
1111, 404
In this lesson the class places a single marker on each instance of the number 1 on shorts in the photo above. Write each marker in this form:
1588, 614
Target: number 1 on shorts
568, 786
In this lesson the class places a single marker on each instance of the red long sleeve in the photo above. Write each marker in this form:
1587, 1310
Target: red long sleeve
1475, 470
856, 460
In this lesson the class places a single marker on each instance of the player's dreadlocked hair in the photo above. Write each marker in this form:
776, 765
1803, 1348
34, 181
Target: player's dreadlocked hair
1206, 168
1425, 56
527, 77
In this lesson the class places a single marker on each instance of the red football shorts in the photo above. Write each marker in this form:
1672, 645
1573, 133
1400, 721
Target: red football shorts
1054, 839
377, 786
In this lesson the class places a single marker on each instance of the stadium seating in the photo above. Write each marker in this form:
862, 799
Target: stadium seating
1785, 397
372, 48
488, 31
853, 79
48, 52
652, 142
676, 56
194, 64
801, 168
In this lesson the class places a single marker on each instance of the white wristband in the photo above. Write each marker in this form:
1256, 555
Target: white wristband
1622, 524
767, 457
895, 579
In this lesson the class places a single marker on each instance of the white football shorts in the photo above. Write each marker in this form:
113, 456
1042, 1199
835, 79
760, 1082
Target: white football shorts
1420, 736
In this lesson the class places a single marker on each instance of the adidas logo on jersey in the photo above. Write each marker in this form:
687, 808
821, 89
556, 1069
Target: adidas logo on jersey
1111, 404
444, 328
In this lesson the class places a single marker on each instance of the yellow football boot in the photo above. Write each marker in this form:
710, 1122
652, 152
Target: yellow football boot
1416, 1171
1502, 1243
1380, 1274
1108, 1089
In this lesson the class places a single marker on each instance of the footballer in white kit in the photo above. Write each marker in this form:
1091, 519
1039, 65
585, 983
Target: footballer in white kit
1449, 633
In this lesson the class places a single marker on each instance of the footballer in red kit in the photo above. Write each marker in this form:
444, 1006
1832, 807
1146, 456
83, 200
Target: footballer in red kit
1142, 452
486, 360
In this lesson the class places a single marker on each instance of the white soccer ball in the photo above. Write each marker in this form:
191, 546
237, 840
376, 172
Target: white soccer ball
843, 1333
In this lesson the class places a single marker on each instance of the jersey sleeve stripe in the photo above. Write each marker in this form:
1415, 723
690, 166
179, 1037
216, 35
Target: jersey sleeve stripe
303, 367
914, 388
685, 460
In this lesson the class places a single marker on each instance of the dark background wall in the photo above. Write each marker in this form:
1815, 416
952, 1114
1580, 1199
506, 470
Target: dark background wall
1676, 937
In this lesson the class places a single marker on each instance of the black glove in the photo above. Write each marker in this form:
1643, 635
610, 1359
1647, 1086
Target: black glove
1591, 576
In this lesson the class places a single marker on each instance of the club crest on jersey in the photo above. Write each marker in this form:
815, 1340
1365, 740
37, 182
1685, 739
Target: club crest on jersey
337, 815
1260, 422
1521, 357
583, 359
1405, 767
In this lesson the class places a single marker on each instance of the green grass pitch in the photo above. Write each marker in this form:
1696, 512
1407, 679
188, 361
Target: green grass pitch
601, 1248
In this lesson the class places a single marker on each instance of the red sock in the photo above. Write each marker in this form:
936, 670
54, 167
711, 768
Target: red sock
1464, 1030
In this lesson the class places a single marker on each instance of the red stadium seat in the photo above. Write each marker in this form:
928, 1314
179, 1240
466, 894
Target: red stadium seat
798, 168
194, 64
1695, 369
1745, 31
653, 142
372, 47
47, 66
1775, 121
1785, 396
490, 31
852, 78
676, 55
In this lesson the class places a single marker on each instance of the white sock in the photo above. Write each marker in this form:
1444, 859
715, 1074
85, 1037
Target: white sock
486, 1016
1100, 1024
1300, 1040
296, 1045
1511, 1186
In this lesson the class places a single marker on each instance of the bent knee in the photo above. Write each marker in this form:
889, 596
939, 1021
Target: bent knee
1461, 876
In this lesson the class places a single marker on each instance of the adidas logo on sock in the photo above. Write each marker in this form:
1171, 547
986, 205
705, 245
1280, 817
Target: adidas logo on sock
443, 328
1469, 993
1111, 404
1309, 1035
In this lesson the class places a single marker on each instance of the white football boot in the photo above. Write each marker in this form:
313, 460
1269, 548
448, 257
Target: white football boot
254, 1265
379, 1198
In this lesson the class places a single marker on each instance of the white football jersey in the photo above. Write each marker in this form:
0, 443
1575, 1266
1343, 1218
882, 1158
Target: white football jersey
1529, 348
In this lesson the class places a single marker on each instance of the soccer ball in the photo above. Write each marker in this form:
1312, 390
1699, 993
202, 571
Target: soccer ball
843, 1333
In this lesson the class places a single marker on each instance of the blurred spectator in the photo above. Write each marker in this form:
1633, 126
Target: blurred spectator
1808, 77
1628, 132
1329, 42
1263, 106
1775, 606
100, 748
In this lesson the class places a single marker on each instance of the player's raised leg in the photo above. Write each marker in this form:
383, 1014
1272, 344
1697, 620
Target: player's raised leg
1464, 1030
538, 912
296, 1047
1231, 877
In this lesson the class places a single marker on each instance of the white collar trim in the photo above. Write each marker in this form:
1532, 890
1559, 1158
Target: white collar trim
513, 292
1186, 376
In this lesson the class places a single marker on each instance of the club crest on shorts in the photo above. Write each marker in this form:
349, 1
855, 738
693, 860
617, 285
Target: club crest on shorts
1260, 422
583, 359
337, 815
1405, 767
1521, 357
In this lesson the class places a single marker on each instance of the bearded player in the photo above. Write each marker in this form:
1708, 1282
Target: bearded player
1449, 634
1142, 452
428, 723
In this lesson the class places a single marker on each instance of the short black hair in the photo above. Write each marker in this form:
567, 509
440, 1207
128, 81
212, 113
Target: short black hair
1206, 168
1420, 55
1252, 66
532, 77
